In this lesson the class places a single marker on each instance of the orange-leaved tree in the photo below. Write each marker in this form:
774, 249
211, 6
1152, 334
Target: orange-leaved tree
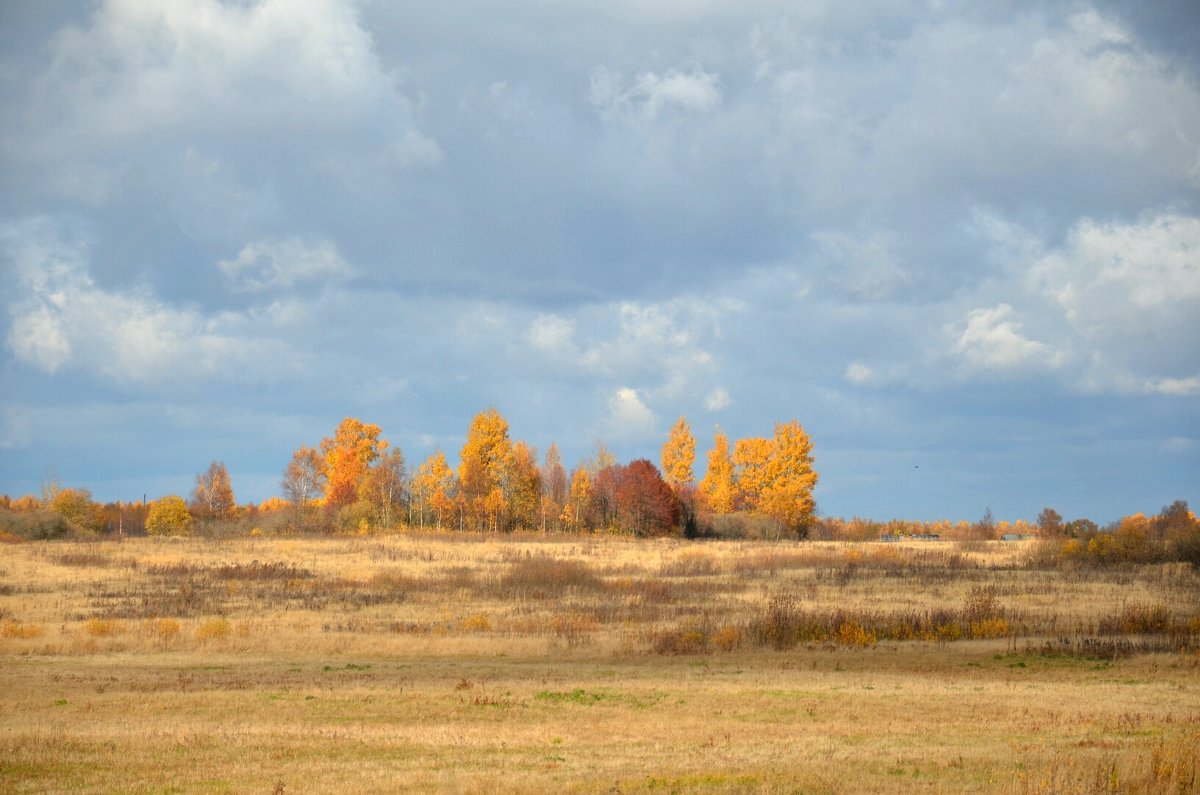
484, 460
433, 490
348, 455
717, 486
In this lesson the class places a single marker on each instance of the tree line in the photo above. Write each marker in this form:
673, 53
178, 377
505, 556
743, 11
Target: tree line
356, 481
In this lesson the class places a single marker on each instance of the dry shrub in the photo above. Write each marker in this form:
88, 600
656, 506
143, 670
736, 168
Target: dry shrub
1137, 620
545, 577
989, 628
101, 627
575, 629
84, 559
687, 639
727, 638
852, 633
163, 628
690, 564
14, 629
479, 622
651, 591
213, 629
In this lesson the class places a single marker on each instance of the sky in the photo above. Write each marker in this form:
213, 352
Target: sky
958, 241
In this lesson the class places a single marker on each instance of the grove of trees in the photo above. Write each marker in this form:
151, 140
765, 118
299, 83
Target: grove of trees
355, 480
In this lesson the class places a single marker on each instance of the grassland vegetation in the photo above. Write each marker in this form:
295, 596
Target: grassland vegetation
583, 663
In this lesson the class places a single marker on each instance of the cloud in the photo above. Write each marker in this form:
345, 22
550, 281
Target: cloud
992, 341
859, 374
646, 97
718, 399
283, 264
629, 417
61, 319
552, 334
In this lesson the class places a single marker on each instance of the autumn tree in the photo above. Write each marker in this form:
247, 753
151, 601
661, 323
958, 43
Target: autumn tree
642, 502
484, 460
304, 481
787, 495
169, 516
554, 487
213, 496
522, 486
750, 457
383, 487
579, 499
76, 506
348, 456
433, 489
717, 486
678, 455
1050, 522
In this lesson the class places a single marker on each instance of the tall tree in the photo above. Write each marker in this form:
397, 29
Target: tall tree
790, 478
304, 481
678, 455
643, 502
348, 455
750, 457
523, 486
554, 486
213, 496
433, 489
576, 511
484, 459
384, 485
717, 485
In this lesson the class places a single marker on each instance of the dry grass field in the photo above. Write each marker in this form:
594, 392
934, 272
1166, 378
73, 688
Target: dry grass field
464, 664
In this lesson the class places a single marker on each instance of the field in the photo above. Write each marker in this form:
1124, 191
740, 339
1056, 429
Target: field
471, 663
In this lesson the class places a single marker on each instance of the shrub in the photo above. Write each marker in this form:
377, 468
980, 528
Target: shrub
101, 627
13, 629
213, 629
169, 516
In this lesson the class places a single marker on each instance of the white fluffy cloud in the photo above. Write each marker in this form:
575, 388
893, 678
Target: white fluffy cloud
992, 340
629, 416
282, 264
63, 320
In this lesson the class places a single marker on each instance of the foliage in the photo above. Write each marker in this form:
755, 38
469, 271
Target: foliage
169, 516
433, 489
717, 488
213, 496
486, 457
678, 455
76, 506
636, 498
303, 482
348, 455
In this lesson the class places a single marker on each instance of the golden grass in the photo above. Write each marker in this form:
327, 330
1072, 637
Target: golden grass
433, 662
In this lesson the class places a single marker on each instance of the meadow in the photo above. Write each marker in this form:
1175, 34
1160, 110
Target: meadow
459, 662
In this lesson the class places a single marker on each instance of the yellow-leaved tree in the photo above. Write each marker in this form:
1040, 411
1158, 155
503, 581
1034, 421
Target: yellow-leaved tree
169, 516
789, 478
484, 459
433, 490
717, 485
348, 456
750, 458
523, 486
678, 455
